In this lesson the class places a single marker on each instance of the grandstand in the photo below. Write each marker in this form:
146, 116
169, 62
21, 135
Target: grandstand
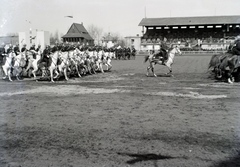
205, 33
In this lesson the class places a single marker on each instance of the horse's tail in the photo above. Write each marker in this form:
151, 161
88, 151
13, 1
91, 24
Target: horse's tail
146, 58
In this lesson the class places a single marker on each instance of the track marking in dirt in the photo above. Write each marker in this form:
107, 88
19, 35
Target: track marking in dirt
190, 88
162, 83
219, 85
194, 95
129, 74
64, 91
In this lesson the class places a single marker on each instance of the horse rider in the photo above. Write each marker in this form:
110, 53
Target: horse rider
46, 53
164, 49
33, 50
24, 49
2, 53
38, 48
16, 49
10, 50
236, 46
133, 51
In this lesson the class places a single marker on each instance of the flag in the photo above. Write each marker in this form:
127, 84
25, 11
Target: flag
69, 16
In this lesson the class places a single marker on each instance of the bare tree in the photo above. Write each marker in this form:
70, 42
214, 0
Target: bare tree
54, 38
116, 38
95, 32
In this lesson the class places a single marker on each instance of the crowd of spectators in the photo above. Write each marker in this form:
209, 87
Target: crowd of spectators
188, 37
190, 41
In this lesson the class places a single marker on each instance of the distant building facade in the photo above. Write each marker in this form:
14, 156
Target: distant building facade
39, 38
10, 39
133, 41
78, 34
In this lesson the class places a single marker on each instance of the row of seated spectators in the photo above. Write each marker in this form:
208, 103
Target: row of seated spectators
152, 36
201, 49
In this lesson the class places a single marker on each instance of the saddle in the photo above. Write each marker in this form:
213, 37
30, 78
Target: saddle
161, 56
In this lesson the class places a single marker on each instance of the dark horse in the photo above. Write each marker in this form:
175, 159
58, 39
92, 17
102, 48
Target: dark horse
225, 65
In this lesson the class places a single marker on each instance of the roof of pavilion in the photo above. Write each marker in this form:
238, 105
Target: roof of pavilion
77, 31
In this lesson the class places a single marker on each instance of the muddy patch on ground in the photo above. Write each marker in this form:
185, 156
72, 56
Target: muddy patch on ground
63, 90
193, 95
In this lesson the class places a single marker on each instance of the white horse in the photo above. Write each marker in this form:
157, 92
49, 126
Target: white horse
107, 58
169, 62
73, 57
19, 63
53, 66
104, 59
81, 58
34, 63
63, 67
8, 65
92, 60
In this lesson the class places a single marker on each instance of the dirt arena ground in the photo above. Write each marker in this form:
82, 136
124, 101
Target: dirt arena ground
122, 118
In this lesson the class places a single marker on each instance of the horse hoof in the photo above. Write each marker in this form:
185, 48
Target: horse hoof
229, 81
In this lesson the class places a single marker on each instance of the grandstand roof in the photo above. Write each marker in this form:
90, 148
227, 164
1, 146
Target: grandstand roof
203, 20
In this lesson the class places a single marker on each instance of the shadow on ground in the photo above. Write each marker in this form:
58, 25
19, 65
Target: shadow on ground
145, 157
231, 162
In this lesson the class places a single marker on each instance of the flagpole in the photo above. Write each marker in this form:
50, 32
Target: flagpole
71, 17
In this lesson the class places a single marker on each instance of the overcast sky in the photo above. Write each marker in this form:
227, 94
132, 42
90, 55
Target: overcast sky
116, 16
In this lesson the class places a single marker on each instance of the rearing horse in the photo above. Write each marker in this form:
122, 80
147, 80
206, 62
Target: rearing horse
169, 62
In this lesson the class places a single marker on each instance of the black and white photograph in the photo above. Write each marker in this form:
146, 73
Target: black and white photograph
119, 83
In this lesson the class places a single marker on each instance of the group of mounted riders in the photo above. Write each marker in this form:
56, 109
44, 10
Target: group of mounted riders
227, 65
79, 58
125, 53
